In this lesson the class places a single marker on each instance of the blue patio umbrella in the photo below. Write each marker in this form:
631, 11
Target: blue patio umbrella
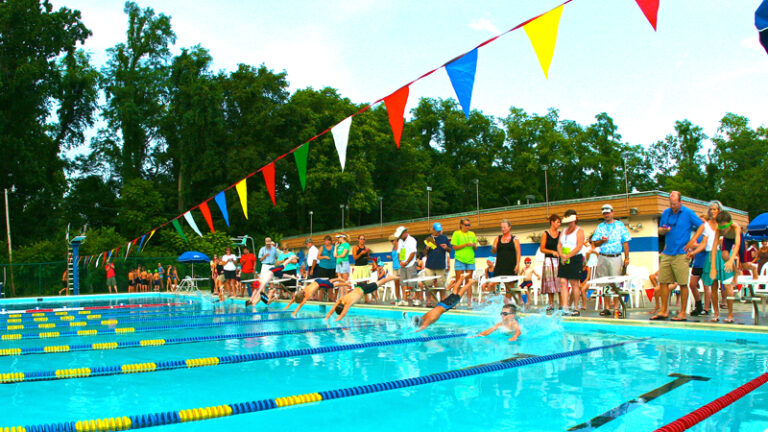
758, 228
193, 257
761, 22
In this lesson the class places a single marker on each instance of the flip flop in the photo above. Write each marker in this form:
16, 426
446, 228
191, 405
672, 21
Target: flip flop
715, 319
728, 321
658, 318
678, 319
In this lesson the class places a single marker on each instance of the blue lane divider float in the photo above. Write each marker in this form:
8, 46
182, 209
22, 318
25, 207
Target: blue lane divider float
97, 321
196, 414
129, 330
148, 343
155, 366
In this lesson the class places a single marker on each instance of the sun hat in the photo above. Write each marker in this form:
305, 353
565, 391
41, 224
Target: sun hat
569, 219
399, 231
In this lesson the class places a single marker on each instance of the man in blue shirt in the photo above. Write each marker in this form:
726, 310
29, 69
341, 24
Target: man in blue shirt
268, 254
613, 238
677, 223
437, 250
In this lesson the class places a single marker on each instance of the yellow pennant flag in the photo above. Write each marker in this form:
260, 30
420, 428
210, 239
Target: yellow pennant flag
542, 32
242, 192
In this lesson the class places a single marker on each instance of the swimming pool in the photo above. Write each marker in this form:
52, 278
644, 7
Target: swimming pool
581, 391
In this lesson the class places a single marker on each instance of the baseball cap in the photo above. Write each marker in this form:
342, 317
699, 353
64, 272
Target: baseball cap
437, 226
309, 240
527, 259
606, 208
399, 231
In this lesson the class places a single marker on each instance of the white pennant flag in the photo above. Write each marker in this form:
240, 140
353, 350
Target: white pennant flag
127, 250
98, 258
341, 138
192, 223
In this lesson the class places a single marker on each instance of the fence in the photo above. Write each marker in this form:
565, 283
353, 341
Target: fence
45, 279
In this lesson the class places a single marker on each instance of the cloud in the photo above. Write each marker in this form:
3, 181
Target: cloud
483, 24
752, 43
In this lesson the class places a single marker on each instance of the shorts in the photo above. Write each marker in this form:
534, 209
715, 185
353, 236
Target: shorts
230, 274
343, 267
450, 302
361, 272
369, 288
673, 268
526, 284
220, 278
697, 271
246, 276
571, 270
441, 273
407, 273
325, 273
608, 266
460, 266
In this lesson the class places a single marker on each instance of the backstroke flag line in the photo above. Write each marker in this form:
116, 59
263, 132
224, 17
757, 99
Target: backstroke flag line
542, 32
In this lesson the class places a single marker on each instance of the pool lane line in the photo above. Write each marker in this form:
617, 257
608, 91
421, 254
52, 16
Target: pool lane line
129, 330
638, 402
123, 369
197, 414
77, 308
70, 314
148, 343
694, 417
97, 321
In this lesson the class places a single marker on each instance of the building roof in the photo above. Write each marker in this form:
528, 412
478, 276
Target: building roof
651, 203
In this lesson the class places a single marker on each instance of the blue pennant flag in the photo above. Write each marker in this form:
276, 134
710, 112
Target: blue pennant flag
141, 242
221, 200
462, 74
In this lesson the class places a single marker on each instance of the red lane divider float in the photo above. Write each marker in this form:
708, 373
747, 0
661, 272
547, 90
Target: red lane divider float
127, 306
694, 417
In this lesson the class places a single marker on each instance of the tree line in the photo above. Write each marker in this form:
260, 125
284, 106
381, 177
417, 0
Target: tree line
170, 132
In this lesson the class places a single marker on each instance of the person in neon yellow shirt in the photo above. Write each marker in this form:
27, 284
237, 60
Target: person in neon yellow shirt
464, 242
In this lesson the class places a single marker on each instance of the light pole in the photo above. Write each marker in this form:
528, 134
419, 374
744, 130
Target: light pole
477, 194
429, 189
528, 199
546, 186
381, 215
310, 222
624, 156
341, 206
8, 232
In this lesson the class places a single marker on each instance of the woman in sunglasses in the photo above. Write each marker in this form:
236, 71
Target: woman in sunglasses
508, 323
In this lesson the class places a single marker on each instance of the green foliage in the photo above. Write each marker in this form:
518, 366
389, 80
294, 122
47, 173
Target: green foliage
102, 239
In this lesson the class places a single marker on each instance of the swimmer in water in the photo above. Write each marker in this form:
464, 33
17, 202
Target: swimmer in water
458, 287
508, 323
345, 302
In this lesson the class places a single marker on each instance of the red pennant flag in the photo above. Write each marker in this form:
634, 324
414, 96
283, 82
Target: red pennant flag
395, 104
269, 178
649, 293
207, 215
650, 9
104, 259
133, 243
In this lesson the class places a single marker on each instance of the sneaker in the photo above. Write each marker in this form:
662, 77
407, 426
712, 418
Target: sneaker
696, 312
704, 312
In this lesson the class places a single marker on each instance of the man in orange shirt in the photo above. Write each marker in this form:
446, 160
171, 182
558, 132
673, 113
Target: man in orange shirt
247, 265
111, 277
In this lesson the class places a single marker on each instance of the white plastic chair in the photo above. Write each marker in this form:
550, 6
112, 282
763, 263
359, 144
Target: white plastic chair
637, 284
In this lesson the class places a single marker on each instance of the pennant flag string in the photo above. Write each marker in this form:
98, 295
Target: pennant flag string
541, 30
151, 233
207, 215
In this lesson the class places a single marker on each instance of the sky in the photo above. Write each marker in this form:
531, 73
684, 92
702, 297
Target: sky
705, 59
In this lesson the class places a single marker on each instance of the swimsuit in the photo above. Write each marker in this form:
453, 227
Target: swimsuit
369, 287
526, 284
450, 302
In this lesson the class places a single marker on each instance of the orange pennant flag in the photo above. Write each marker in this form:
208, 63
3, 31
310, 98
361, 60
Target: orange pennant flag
207, 215
542, 31
269, 179
395, 104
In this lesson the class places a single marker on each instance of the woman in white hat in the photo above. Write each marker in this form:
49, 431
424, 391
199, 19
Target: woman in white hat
571, 259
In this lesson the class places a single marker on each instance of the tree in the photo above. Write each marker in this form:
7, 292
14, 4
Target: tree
46, 103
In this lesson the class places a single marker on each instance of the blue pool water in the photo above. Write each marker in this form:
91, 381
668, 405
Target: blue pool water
547, 396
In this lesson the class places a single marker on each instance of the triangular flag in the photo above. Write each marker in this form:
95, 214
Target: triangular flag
341, 139
207, 215
151, 233
300, 154
105, 257
176, 225
649, 293
542, 32
462, 74
269, 179
127, 250
134, 241
98, 258
142, 242
395, 104
192, 223
650, 9
242, 192
109, 256
221, 200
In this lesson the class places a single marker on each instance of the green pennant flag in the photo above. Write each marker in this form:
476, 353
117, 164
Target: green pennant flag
176, 225
301, 163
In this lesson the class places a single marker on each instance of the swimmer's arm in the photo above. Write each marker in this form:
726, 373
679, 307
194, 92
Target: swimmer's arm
344, 312
517, 332
330, 312
488, 331
289, 304
299, 307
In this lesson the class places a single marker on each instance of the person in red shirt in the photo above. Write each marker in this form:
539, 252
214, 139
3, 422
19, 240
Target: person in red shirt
111, 279
248, 265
